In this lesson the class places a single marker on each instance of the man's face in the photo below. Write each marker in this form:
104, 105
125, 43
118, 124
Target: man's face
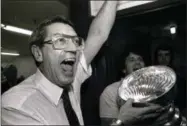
133, 62
164, 57
59, 65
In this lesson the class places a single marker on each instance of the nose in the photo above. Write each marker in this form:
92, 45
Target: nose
71, 47
137, 62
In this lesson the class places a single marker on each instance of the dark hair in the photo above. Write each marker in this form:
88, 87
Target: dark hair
138, 49
165, 47
38, 34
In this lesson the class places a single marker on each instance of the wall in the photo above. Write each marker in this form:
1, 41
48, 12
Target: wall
24, 64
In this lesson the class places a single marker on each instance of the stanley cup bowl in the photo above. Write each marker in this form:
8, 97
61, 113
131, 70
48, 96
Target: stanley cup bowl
149, 84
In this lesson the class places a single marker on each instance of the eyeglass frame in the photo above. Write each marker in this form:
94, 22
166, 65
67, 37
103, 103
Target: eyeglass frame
52, 41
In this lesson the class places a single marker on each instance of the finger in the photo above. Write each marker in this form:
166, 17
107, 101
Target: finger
163, 109
150, 109
162, 117
150, 116
153, 104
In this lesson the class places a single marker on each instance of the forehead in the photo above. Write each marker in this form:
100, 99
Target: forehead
163, 51
133, 55
60, 28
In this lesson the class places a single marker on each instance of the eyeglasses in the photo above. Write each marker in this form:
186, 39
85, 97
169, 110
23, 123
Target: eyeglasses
61, 41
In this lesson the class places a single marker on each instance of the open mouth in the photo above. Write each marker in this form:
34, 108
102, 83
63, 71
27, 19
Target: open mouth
136, 68
67, 65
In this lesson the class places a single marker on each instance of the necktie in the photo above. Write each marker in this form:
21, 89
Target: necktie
72, 118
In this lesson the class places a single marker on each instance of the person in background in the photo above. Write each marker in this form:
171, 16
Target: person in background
10, 74
164, 55
126, 68
52, 95
3, 78
112, 109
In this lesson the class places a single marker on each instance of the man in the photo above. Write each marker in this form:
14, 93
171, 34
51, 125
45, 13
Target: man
52, 95
112, 110
11, 78
164, 55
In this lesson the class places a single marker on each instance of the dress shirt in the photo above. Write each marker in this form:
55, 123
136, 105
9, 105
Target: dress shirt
37, 101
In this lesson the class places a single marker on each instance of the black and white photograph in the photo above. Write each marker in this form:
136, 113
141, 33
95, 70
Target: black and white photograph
93, 62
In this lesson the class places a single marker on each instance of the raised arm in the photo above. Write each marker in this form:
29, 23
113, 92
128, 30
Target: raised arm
100, 29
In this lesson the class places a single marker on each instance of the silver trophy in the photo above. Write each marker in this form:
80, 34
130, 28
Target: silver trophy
153, 84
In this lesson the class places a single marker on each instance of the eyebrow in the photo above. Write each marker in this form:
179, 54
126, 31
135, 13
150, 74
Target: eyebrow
132, 57
164, 52
135, 57
64, 35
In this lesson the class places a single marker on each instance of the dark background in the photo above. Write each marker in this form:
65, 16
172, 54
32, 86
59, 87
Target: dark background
142, 26
143, 29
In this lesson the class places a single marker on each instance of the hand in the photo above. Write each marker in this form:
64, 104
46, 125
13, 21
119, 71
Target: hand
129, 114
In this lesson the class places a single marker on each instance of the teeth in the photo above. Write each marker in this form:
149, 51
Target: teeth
67, 60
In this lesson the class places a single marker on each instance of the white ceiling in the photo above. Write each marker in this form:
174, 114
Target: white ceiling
26, 14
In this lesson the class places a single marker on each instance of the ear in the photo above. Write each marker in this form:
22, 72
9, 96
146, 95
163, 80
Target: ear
36, 51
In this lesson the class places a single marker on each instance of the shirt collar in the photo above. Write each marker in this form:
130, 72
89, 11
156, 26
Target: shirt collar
49, 89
